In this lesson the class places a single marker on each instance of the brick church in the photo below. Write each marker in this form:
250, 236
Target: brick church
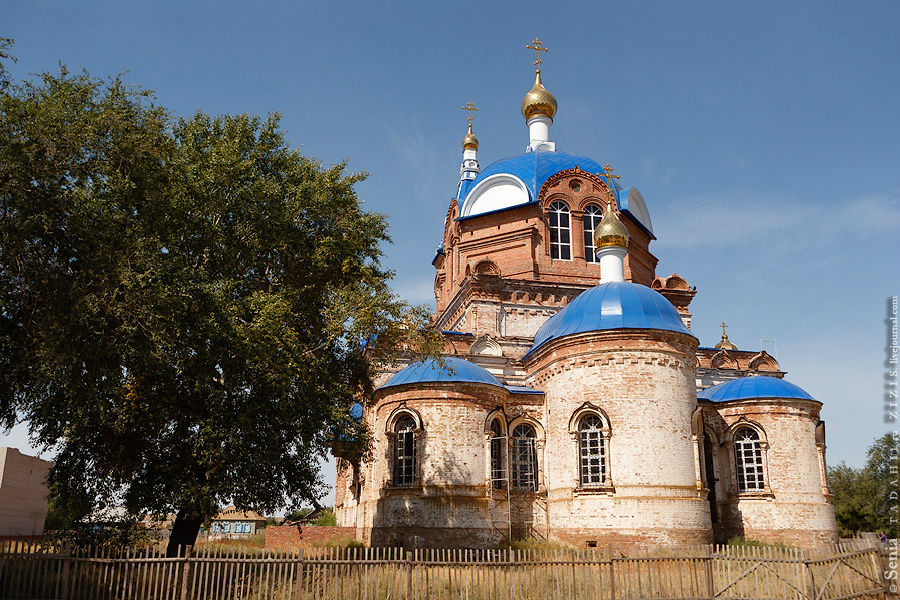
574, 403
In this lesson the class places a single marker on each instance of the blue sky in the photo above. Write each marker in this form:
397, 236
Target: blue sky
765, 136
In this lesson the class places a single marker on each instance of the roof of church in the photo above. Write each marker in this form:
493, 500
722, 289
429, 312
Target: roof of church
456, 370
753, 386
611, 305
535, 168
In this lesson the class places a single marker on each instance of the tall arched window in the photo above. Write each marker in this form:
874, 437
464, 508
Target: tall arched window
498, 460
591, 451
524, 458
404, 452
592, 216
560, 231
748, 460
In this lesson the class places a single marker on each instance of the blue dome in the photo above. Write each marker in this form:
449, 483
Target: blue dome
534, 168
612, 305
754, 386
457, 370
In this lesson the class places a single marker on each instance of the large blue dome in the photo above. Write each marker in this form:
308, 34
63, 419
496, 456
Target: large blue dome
531, 170
754, 386
456, 370
535, 168
612, 305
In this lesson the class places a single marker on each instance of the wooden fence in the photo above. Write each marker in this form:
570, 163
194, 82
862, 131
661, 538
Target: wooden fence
44, 571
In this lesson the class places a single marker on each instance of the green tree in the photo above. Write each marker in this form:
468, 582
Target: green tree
866, 499
182, 302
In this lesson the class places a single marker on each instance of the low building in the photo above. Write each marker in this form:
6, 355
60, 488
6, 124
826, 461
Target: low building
23, 493
234, 524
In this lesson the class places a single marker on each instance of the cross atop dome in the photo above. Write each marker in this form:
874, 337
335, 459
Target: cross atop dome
470, 141
539, 105
725, 344
538, 46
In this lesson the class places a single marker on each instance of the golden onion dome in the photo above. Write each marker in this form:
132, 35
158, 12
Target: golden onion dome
725, 344
538, 101
470, 142
611, 231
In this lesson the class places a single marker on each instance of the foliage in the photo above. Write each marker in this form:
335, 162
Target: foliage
6, 45
326, 519
182, 301
866, 499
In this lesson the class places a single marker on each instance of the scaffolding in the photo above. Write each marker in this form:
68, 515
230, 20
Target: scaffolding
524, 490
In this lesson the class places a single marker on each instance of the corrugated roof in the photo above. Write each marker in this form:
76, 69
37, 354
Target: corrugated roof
612, 305
456, 370
754, 386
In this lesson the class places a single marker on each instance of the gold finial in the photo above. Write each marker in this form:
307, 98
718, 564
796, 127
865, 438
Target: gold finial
469, 141
538, 101
725, 344
538, 46
611, 231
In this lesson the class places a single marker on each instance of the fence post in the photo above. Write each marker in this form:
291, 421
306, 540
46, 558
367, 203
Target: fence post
612, 572
301, 567
409, 575
186, 573
64, 572
812, 580
710, 576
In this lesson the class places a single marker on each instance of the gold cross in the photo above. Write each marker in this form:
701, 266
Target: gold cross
724, 327
607, 170
469, 107
538, 46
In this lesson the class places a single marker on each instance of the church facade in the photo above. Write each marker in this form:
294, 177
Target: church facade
573, 403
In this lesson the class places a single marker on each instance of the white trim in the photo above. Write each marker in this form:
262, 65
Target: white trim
498, 191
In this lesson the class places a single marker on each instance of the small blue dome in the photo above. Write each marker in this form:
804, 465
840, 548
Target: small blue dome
457, 370
754, 386
612, 305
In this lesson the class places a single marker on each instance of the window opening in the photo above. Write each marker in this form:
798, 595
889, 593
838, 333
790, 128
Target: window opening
748, 460
592, 216
524, 463
560, 232
592, 451
405, 452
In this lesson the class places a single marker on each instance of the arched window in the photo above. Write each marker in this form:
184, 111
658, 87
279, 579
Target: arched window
404, 452
524, 458
498, 460
592, 216
560, 231
591, 451
748, 460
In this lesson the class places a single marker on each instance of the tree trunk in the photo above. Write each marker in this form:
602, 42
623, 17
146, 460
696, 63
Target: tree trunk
184, 533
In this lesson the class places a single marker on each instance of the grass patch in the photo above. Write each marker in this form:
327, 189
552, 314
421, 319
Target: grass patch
534, 544
339, 542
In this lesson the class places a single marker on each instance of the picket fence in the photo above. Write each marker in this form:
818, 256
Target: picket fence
52, 571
